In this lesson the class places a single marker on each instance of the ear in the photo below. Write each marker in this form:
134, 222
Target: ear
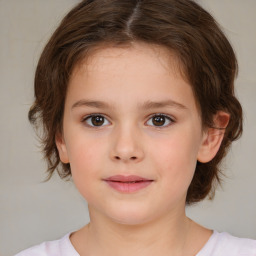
213, 137
61, 145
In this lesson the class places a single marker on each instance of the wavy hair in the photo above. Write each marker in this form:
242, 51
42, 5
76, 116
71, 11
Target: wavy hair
206, 56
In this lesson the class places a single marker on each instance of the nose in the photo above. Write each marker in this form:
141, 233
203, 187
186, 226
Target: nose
126, 146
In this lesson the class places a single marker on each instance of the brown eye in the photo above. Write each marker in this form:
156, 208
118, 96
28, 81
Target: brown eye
96, 120
160, 120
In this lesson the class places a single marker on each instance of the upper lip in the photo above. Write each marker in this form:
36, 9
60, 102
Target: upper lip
129, 178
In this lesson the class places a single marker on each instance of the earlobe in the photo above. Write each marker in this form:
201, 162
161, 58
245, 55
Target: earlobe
62, 149
213, 137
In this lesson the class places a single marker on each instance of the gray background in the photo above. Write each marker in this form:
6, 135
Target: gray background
32, 211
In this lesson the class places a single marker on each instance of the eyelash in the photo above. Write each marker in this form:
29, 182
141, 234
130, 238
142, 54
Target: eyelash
166, 117
86, 118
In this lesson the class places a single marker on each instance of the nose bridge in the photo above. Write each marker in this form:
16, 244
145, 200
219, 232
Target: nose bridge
127, 143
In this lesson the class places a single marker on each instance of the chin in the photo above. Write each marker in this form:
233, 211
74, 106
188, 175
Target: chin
131, 218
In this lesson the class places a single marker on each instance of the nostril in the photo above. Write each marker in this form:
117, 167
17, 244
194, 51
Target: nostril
131, 158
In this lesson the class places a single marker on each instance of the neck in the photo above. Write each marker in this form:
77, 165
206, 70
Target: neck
168, 235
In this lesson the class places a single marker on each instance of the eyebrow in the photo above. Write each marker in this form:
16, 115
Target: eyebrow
165, 103
146, 105
90, 103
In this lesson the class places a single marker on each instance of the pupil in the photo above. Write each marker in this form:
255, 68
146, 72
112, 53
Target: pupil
158, 120
97, 120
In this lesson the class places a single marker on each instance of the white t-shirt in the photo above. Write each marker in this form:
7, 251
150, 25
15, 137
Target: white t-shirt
219, 244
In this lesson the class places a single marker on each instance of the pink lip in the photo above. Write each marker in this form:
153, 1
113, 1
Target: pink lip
127, 184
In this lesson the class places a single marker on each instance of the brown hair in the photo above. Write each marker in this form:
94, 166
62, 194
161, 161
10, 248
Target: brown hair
207, 58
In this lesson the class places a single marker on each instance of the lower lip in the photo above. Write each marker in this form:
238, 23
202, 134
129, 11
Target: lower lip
128, 187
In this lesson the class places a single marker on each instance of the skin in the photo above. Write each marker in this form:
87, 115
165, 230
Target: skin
124, 81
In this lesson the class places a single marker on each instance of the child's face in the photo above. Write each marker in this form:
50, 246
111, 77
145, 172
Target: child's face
145, 123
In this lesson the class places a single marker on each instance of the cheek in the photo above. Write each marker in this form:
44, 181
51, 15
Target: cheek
85, 165
85, 157
176, 159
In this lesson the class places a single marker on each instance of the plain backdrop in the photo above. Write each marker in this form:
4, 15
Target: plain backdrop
32, 211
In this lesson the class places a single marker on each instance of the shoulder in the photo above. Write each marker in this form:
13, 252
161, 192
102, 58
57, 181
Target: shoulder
61, 247
222, 244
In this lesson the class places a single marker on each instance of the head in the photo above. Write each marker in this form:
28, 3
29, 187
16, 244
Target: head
203, 57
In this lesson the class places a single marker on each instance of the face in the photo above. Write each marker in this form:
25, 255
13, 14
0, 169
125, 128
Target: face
131, 133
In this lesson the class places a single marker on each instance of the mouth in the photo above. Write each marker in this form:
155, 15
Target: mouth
128, 184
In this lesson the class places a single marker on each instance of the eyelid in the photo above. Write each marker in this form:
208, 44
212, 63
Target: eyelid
170, 118
86, 117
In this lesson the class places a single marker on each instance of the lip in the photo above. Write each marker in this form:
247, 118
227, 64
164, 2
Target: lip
128, 184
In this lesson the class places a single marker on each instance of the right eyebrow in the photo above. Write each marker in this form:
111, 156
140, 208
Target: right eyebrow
89, 103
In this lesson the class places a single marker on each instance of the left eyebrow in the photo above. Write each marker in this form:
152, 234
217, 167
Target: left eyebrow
161, 104
146, 105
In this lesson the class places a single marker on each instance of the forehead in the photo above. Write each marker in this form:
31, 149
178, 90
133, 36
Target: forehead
149, 57
139, 71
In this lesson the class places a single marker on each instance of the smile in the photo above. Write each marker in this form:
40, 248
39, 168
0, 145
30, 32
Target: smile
127, 184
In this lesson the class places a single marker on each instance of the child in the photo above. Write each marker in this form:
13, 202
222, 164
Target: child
136, 100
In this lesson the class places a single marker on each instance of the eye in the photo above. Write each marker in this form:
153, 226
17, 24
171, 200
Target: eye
160, 120
96, 120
